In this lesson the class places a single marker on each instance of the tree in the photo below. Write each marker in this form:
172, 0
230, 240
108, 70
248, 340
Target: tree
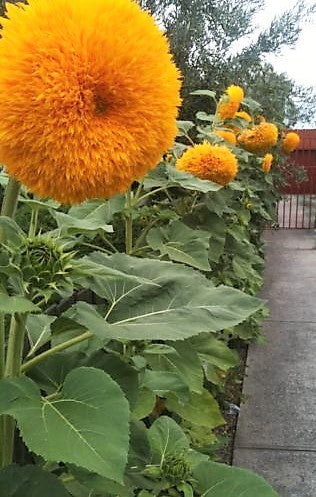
202, 36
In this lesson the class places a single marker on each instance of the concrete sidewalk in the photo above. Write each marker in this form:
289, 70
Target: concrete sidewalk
276, 434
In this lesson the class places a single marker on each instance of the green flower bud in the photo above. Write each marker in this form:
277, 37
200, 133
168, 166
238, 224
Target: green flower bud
176, 468
44, 264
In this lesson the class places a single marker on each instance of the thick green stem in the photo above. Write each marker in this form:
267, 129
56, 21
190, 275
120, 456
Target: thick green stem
58, 348
128, 223
10, 200
15, 346
12, 369
10, 366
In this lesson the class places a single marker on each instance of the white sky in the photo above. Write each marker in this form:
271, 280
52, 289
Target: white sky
298, 63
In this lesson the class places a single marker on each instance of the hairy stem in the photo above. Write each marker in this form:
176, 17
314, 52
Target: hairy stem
58, 348
10, 200
12, 369
15, 346
10, 365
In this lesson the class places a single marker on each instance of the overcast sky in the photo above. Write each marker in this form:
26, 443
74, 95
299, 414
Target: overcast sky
299, 63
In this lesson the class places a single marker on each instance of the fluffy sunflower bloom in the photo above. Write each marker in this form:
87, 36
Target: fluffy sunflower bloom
211, 162
267, 162
226, 135
290, 142
244, 115
259, 138
230, 102
89, 96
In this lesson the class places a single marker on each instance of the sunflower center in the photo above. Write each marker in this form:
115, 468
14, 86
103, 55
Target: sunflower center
100, 104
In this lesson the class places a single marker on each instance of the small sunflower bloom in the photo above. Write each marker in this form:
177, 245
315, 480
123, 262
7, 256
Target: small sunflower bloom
230, 102
267, 163
210, 162
229, 136
89, 95
260, 138
244, 115
290, 142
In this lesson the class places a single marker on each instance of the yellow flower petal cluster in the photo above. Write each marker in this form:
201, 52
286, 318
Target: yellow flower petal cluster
267, 162
89, 96
211, 162
244, 115
259, 138
229, 105
226, 135
290, 142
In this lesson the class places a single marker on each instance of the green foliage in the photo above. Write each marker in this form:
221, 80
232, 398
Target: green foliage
218, 480
30, 481
76, 425
131, 307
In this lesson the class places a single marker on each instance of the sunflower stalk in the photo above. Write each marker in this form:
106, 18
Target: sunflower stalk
12, 369
12, 361
10, 200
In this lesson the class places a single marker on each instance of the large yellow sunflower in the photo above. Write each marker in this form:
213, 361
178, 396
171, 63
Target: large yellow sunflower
211, 162
290, 142
230, 102
259, 138
89, 96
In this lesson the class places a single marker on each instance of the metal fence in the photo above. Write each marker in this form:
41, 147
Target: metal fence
297, 208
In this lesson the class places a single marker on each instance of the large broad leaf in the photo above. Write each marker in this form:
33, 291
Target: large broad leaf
98, 210
51, 373
164, 382
89, 225
181, 244
124, 374
201, 409
185, 362
215, 352
11, 305
30, 481
88, 484
165, 437
94, 272
179, 303
218, 480
86, 425
212, 224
